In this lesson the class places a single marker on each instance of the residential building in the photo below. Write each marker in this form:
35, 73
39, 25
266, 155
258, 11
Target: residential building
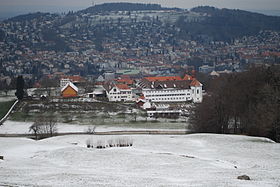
69, 90
171, 89
118, 92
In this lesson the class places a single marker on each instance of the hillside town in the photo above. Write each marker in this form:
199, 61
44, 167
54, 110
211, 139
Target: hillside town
136, 42
151, 94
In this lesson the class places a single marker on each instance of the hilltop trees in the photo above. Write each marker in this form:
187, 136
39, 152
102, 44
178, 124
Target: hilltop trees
246, 103
225, 24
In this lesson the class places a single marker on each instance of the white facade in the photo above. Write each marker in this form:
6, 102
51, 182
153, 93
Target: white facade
174, 95
117, 94
167, 95
196, 94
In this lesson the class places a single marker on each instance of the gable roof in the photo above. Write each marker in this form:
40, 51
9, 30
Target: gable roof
195, 83
127, 81
188, 77
71, 85
174, 84
122, 86
109, 85
168, 78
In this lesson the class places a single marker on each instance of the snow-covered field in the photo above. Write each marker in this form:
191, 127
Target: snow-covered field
7, 98
153, 160
15, 127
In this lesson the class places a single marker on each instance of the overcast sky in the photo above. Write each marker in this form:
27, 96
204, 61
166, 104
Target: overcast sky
25, 6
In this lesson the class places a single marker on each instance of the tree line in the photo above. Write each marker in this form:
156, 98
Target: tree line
241, 103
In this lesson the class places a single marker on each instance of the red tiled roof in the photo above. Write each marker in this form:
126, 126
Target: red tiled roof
163, 78
142, 97
126, 81
187, 77
169, 78
195, 83
122, 86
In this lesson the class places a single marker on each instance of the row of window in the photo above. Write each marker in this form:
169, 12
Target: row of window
169, 99
166, 91
167, 95
121, 93
118, 97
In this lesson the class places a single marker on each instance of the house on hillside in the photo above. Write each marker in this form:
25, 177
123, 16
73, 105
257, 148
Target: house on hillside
118, 92
69, 90
171, 89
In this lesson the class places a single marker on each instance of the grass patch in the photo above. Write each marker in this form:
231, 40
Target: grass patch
4, 107
21, 116
262, 141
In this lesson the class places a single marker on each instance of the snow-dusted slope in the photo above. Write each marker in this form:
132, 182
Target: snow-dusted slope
190, 160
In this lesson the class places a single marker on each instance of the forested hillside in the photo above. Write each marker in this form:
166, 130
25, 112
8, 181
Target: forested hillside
242, 103
226, 24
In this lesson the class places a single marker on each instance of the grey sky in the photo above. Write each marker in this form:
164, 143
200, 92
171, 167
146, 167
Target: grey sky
24, 6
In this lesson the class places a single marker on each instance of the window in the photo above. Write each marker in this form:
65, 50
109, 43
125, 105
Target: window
197, 91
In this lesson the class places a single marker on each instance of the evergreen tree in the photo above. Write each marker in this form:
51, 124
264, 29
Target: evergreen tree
20, 88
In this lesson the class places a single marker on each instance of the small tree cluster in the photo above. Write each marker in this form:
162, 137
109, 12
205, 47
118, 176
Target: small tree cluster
44, 127
119, 142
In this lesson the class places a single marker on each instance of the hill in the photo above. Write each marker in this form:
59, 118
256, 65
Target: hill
30, 16
226, 24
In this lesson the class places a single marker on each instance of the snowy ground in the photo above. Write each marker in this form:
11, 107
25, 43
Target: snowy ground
9, 97
14, 127
153, 160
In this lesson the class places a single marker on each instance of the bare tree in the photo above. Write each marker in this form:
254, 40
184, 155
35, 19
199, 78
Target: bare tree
43, 127
35, 128
91, 129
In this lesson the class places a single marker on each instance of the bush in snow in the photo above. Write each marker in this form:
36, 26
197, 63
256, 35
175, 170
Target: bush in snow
89, 143
111, 143
100, 144
119, 142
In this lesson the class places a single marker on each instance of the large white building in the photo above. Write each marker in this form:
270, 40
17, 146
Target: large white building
171, 89
118, 92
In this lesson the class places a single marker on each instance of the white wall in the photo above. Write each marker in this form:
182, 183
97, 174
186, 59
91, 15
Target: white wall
116, 94
174, 95
197, 94
167, 95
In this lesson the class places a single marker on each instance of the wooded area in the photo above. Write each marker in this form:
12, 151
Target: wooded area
225, 24
241, 103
